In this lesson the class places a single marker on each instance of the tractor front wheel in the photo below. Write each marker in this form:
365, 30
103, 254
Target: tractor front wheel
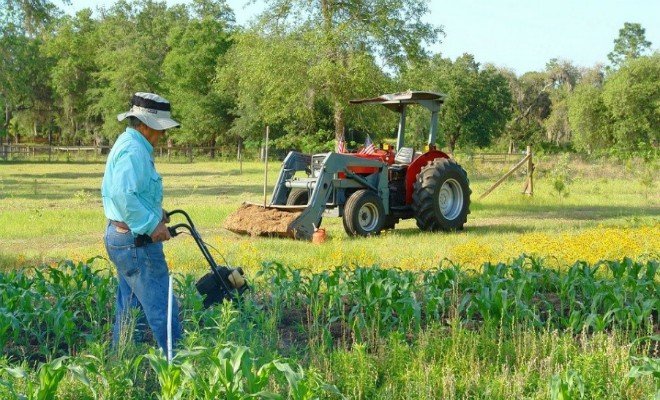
364, 214
441, 196
298, 197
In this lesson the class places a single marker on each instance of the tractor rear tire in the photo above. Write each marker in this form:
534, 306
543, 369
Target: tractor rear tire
441, 196
298, 197
364, 214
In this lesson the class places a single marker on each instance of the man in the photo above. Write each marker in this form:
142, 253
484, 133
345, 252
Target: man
132, 194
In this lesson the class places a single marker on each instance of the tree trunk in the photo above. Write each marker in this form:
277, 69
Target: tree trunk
453, 138
452, 143
239, 148
213, 142
5, 128
339, 121
7, 119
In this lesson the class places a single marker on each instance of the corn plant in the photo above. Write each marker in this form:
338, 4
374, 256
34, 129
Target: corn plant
439, 289
48, 376
567, 386
304, 385
233, 374
171, 375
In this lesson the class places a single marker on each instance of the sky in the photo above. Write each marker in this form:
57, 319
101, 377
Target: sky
522, 35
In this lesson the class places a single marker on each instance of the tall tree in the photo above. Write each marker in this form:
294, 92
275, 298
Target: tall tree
630, 44
589, 117
277, 81
338, 31
562, 76
268, 90
632, 96
189, 69
21, 64
29, 16
73, 49
130, 56
478, 103
530, 107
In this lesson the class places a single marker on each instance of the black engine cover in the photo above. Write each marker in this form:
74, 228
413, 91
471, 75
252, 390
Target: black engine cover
397, 185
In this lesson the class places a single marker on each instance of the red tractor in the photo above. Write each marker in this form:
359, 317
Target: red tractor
371, 192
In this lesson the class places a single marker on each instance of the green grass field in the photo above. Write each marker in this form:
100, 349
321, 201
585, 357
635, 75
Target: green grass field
384, 317
53, 211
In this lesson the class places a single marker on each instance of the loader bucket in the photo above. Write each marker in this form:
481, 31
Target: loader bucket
257, 220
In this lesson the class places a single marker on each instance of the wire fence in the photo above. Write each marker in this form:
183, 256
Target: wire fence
40, 152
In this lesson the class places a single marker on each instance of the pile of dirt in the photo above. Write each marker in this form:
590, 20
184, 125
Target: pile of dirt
255, 220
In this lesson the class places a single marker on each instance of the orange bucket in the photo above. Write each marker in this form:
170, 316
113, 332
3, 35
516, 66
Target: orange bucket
318, 236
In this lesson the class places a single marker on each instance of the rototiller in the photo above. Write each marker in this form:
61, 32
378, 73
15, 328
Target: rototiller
222, 283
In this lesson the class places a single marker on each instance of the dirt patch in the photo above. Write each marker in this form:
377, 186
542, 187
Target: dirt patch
254, 220
297, 329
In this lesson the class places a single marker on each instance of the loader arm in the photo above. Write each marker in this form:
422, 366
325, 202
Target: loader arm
326, 181
294, 162
330, 173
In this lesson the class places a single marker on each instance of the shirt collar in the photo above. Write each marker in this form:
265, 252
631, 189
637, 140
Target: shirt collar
140, 138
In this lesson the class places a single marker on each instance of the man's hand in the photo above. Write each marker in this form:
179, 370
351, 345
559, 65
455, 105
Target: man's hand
160, 234
165, 218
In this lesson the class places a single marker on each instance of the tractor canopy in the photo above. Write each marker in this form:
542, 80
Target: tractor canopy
396, 101
399, 101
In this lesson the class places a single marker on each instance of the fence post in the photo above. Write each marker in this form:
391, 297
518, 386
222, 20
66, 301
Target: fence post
266, 164
529, 183
503, 178
239, 155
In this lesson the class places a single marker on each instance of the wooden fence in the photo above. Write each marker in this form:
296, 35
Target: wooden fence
86, 153
41, 151
495, 157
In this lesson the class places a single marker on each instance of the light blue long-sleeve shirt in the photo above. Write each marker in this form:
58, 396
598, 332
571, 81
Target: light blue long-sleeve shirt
132, 190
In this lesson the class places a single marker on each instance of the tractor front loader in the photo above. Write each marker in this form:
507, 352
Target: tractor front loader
371, 192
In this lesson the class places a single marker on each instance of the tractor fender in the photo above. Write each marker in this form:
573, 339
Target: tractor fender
416, 166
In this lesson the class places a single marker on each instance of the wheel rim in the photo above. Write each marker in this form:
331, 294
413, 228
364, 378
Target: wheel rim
368, 217
450, 199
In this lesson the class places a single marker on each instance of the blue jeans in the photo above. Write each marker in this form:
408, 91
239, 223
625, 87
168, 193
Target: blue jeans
143, 285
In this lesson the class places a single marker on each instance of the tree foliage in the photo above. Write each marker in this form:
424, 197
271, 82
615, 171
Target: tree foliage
345, 34
189, 69
22, 66
630, 44
632, 98
621, 113
530, 107
478, 101
589, 118
73, 49
66, 77
562, 76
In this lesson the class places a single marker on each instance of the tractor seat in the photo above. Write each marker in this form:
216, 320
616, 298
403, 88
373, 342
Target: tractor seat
404, 156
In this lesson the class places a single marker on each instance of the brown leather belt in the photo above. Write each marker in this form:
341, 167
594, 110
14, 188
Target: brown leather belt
140, 240
120, 224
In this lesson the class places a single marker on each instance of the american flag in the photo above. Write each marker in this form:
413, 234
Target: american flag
369, 147
341, 146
